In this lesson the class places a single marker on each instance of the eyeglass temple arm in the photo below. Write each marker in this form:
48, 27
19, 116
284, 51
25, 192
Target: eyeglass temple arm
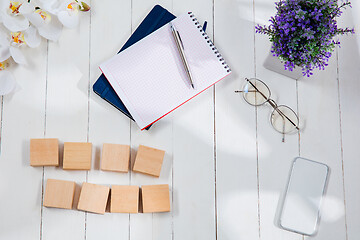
272, 104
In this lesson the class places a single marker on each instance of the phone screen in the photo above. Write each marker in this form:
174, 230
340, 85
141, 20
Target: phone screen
306, 187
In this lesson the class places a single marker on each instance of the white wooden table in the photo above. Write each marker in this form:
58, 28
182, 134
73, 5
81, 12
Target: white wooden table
225, 164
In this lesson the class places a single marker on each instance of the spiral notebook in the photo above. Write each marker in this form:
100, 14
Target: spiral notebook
149, 76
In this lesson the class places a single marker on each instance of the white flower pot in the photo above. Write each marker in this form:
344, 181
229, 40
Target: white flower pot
274, 64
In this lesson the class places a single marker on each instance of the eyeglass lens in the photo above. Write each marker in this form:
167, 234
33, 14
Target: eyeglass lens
256, 92
284, 119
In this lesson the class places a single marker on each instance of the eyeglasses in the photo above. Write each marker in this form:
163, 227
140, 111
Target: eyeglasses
283, 118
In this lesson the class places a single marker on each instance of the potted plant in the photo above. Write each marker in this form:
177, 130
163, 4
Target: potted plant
302, 33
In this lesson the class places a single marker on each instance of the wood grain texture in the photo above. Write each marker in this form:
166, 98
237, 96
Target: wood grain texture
106, 123
193, 150
23, 118
93, 198
274, 156
148, 161
155, 198
44, 152
235, 122
77, 156
66, 118
115, 157
349, 87
124, 199
320, 141
59, 194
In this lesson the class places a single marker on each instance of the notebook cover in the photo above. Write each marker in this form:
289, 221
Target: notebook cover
157, 18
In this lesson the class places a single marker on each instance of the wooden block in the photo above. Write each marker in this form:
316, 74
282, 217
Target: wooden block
115, 157
59, 194
155, 198
149, 160
77, 156
124, 199
44, 152
93, 198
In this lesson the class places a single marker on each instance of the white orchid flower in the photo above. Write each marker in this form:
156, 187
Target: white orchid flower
7, 80
11, 16
44, 22
69, 13
10, 48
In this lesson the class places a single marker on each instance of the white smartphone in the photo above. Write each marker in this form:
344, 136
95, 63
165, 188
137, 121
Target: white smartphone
305, 190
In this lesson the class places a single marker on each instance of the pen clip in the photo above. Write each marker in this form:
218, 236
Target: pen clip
204, 26
177, 32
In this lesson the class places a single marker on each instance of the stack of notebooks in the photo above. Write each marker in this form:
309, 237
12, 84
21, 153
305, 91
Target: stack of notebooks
146, 79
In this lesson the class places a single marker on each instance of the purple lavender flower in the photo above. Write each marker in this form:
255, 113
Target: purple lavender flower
302, 32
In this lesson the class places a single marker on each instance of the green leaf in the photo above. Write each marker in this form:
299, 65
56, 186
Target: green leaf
84, 7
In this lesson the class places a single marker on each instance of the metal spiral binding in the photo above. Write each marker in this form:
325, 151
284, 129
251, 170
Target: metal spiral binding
211, 44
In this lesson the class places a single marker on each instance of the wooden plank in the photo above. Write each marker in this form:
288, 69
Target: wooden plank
349, 72
320, 141
193, 142
22, 119
151, 225
274, 156
110, 28
67, 118
236, 167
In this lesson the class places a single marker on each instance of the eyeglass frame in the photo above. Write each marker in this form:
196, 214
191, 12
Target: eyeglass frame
272, 103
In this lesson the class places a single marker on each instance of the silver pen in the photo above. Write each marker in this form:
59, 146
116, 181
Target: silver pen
180, 48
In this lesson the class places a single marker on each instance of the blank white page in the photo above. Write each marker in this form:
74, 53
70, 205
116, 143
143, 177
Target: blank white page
149, 76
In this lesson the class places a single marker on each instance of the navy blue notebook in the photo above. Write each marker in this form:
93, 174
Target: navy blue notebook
157, 18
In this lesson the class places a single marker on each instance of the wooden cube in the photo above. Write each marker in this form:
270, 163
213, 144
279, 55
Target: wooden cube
149, 161
115, 157
44, 152
155, 198
124, 199
93, 198
59, 194
77, 156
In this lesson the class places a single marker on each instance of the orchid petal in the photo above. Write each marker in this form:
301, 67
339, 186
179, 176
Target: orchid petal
68, 20
7, 82
26, 8
52, 6
48, 1
65, 4
52, 30
36, 19
4, 53
15, 23
4, 40
32, 38
3, 6
17, 55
